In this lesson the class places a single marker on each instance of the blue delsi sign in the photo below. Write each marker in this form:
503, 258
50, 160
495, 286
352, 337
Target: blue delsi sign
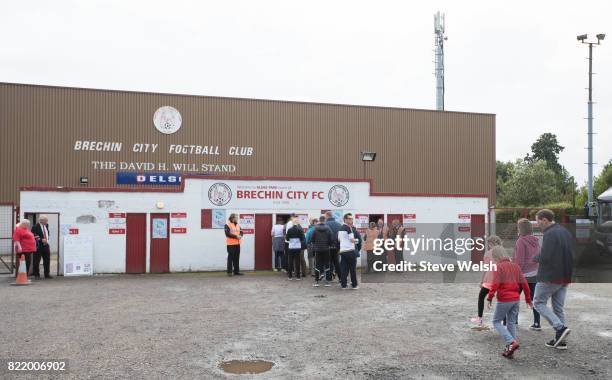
131, 178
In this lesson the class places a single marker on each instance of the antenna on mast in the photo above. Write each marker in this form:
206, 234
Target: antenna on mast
439, 29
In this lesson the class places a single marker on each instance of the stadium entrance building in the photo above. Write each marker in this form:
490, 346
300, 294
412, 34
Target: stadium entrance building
148, 178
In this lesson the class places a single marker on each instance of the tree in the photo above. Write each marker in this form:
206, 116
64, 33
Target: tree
531, 184
503, 172
601, 183
547, 149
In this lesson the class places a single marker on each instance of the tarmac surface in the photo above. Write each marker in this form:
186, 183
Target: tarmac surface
185, 325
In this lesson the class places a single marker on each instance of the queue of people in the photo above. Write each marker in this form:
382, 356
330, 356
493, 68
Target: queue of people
332, 249
541, 273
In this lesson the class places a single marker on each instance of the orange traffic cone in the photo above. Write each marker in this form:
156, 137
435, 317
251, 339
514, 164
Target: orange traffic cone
22, 275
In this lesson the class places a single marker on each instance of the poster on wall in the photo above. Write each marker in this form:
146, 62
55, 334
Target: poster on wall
116, 223
78, 255
160, 228
247, 223
64, 229
464, 223
303, 220
178, 222
464, 218
338, 215
218, 218
408, 219
362, 221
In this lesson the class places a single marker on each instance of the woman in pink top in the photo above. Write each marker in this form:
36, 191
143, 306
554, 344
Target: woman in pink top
24, 243
487, 278
526, 248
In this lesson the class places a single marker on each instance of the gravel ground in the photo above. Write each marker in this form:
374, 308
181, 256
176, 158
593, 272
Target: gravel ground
184, 325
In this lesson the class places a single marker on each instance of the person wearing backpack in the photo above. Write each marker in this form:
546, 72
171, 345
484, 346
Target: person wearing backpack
320, 240
334, 261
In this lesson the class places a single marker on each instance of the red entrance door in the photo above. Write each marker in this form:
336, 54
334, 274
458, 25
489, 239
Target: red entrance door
160, 243
478, 231
136, 243
263, 242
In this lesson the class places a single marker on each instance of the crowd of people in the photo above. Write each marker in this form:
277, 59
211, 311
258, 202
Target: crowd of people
541, 273
332, 249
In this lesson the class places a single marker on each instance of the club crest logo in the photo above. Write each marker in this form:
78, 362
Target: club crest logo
167, 120
338, 195
219, 194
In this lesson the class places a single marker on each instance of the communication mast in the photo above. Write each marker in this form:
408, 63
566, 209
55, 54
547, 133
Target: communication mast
439, 21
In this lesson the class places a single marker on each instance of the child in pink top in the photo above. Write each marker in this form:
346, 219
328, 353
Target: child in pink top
487, 279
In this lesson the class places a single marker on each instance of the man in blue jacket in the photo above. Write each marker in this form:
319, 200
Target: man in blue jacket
554, 275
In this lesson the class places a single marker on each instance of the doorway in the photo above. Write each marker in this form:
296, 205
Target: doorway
375, 218
54, 238
263, 242
136, 243
282, 218
477, 231
160, 243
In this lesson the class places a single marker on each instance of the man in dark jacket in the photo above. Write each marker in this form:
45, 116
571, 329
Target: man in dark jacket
334, 261
41, 234
554, 274
297, 242
321, 239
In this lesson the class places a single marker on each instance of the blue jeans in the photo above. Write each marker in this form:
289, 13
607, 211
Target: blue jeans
508, 310
348, 263
278, 259
557, 293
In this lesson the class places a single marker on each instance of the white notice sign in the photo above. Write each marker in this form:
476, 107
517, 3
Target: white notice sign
78, 255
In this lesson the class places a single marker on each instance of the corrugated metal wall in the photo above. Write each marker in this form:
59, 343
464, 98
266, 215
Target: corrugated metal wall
419, 151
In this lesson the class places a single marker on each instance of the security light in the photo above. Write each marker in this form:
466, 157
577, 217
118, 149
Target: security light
601, 36
582, 37
368, 156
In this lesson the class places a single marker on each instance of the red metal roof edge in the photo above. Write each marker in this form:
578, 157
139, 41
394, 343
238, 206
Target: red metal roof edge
181, 187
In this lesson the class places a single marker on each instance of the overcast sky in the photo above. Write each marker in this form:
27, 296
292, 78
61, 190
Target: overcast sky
519, 60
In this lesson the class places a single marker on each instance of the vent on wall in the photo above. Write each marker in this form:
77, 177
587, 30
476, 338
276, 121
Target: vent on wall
106, 204
86, 219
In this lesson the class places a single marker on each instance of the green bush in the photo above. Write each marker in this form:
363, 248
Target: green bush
507, 216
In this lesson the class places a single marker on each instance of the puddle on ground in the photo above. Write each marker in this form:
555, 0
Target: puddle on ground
480, 328
246, 366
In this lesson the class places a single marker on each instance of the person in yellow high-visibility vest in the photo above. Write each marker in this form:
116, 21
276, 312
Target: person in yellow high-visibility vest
233, 236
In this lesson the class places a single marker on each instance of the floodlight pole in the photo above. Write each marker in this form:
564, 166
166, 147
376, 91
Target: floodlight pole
590, 130
439, 29
590, 119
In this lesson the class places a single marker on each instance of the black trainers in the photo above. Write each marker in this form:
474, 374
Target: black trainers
560, 346
561, 334
558, 341
535, 327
